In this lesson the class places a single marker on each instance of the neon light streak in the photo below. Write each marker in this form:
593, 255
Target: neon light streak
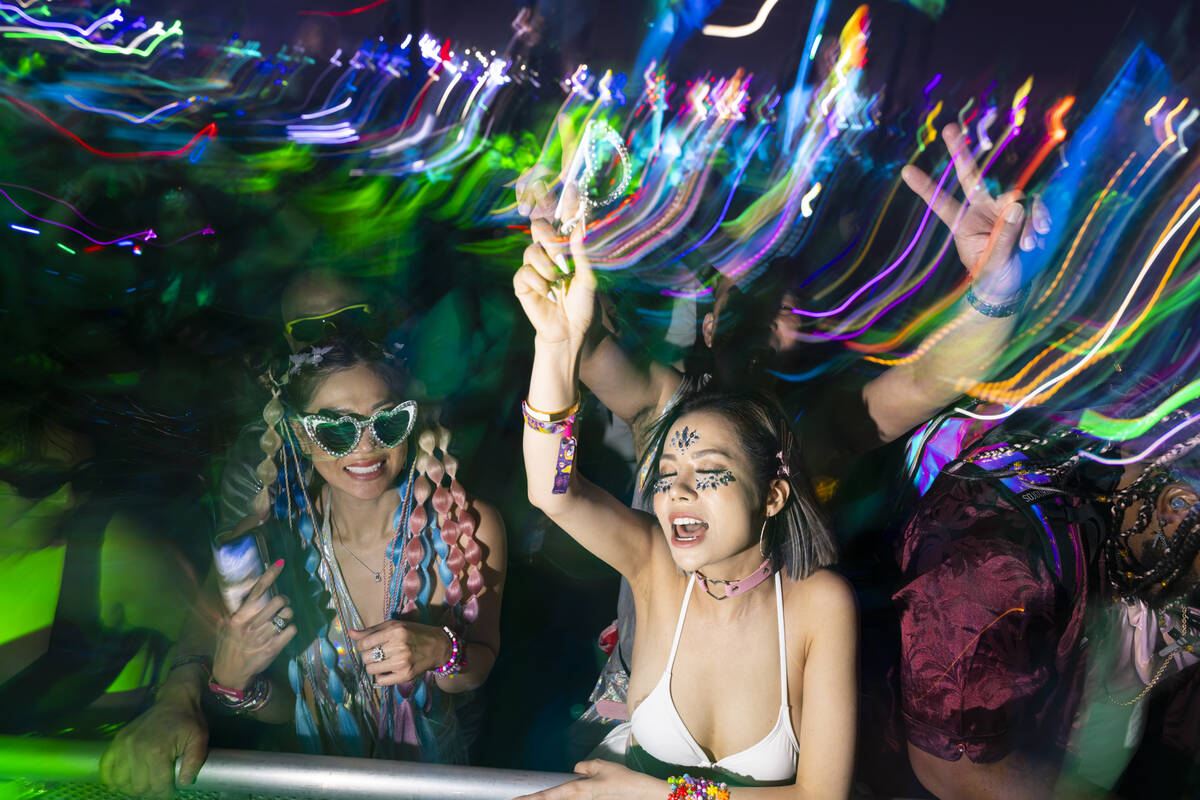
985, 122
327, 111
926, 134
1157, 443
1106, 334
1055, 134
349, 13
208, 131
64, 247
812, 53
806, 201
146, 234
1096, 424
738, 31
891, 267
23, 229
156, 31
129, 117
929, 87
962, 124
114, 16
1154, 109
1188, 120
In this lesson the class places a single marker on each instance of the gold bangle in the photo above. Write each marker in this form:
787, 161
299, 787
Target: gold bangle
557, 416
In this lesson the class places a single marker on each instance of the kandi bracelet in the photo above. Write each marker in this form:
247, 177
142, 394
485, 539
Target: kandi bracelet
455, 663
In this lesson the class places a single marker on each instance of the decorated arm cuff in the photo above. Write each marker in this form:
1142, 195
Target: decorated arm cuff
996, 310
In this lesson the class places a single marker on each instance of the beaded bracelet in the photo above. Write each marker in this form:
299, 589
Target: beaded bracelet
689, 788
456, 662
243, 702
566, 448
995, 310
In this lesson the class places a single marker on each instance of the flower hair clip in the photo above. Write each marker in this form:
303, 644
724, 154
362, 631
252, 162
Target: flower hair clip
392, 351
783, 470
312, 355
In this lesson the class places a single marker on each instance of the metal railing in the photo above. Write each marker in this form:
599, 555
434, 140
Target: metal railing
230, 774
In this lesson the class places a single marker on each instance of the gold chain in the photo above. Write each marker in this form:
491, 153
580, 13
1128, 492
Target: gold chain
1161, 669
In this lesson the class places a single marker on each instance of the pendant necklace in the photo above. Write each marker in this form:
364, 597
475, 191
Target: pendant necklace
378, 575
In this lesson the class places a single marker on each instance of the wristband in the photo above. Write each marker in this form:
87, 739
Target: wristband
688, 788
566, 448
456, 662
995, 310
243, 702
557, 416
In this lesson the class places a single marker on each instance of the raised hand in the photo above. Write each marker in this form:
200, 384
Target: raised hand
407, 649
985, 228
254, 636
557, 300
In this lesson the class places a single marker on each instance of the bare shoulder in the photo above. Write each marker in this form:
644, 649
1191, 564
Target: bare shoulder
820, 604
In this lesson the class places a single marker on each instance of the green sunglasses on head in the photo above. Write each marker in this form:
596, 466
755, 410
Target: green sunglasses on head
316, 328
338, 436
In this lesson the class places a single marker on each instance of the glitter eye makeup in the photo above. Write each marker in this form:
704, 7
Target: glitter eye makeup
683, 439
1178, 504
664, 484
711, 480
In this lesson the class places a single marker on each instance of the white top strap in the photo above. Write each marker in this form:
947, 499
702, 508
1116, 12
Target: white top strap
783, 687
687, 595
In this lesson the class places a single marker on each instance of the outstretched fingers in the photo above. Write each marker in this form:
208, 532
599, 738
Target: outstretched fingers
941, 203
964, 165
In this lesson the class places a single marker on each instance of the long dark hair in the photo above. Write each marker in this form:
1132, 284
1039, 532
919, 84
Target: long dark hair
798, 537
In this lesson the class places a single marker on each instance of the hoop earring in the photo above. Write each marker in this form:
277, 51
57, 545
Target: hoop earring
761, 550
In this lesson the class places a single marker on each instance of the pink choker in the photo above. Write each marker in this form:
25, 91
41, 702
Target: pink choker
740, 586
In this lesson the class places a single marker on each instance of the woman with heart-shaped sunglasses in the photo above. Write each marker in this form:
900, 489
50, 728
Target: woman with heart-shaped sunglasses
391, 574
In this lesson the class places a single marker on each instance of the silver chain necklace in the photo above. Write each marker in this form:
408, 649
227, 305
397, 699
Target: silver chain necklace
378, 574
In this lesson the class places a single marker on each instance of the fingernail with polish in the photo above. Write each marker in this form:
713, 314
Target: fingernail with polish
561, 260
277, 563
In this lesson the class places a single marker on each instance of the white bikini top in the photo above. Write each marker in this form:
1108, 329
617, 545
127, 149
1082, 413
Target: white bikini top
659, 730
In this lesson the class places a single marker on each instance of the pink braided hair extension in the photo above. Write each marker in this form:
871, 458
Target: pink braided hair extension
455, 521
414, 551
465, 533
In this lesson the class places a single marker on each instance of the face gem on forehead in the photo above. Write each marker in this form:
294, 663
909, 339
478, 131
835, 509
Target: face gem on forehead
713, 480
664, 484
682, 440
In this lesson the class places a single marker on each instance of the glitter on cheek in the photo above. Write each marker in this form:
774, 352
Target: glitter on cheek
711, 480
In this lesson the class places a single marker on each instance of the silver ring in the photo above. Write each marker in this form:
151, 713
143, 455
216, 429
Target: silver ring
279, 622
377, 653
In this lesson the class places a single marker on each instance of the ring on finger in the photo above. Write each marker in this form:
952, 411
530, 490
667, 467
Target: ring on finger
279, 622
377, 653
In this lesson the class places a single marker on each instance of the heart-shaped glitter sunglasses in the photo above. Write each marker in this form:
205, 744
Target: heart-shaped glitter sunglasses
338, 436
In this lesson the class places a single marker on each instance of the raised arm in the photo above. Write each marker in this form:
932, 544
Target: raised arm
560, 306
985, 230
636, 393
